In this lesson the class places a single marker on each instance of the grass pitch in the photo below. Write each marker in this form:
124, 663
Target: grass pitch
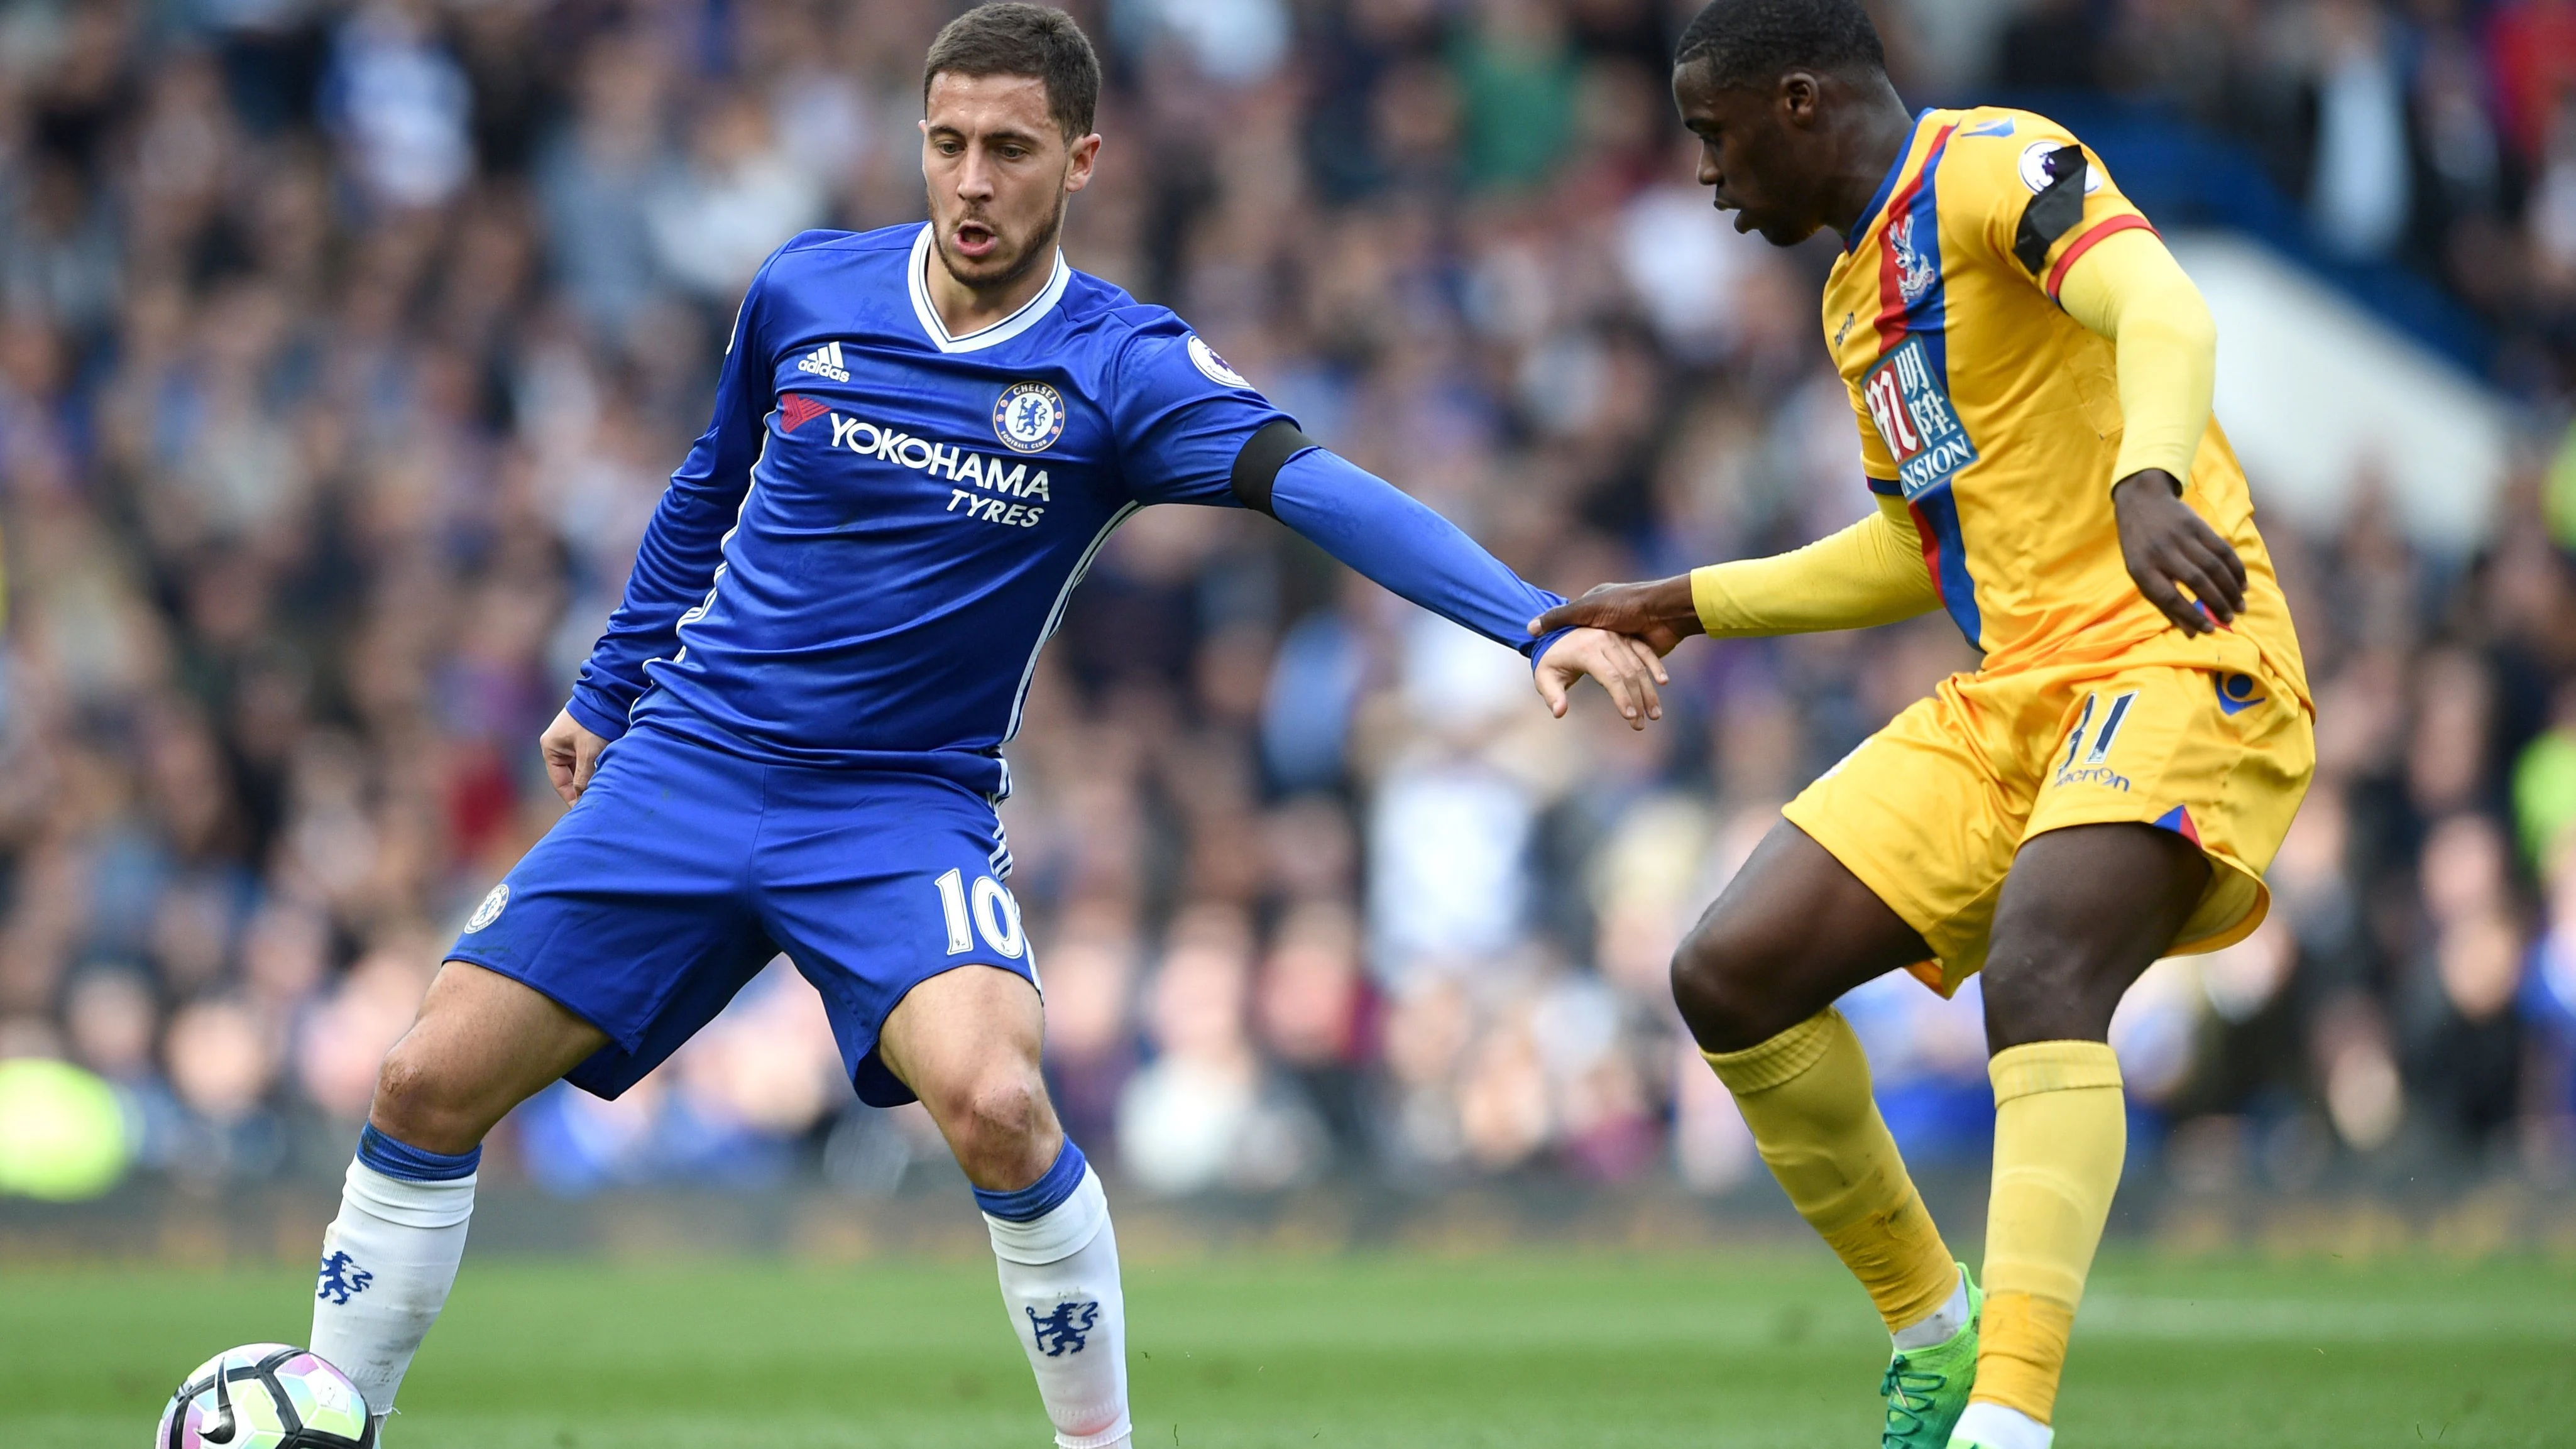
1534, 1351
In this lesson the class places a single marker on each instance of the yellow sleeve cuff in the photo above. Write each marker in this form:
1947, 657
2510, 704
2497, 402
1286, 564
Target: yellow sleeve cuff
1870, 573
2132, 291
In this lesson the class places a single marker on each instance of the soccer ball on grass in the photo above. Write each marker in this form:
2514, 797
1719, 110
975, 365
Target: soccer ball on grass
266, 1396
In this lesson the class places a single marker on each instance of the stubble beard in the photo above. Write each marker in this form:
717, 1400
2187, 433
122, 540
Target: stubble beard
1041, 247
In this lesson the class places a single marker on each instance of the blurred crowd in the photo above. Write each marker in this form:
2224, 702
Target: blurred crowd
2438, 135
344, 348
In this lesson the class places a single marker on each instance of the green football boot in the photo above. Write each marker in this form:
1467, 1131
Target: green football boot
1927, 1388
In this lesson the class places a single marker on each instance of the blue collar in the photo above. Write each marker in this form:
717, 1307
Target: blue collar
1887, 183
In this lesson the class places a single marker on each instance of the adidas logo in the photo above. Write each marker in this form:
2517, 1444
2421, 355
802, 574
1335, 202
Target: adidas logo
825, 361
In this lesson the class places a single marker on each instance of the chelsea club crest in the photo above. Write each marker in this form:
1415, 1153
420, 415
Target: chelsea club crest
1029, 417
490, 911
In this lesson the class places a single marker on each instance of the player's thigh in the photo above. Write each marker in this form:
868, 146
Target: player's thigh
1926, 815
953, 1028
632, 914
2085, 910
482, 1044
966, 1042
879, 887
1790, 934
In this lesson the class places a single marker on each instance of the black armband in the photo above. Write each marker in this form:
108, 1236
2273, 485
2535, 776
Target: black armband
2054, 211
1257, 467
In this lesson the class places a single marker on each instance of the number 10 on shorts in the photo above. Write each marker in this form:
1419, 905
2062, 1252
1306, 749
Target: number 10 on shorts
991, 912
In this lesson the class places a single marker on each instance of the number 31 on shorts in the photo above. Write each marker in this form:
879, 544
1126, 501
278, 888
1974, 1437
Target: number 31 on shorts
992, 912
2112, 718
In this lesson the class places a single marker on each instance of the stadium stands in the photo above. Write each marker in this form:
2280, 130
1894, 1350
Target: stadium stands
345, 347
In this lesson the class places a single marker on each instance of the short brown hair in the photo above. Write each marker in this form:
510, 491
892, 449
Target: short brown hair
1031, 40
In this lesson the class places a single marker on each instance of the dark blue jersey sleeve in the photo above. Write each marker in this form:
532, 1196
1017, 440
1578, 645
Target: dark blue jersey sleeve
683, 547
1181, 415
1184, 416
1377, 529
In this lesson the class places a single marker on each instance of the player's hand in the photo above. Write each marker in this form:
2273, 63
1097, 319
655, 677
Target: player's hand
1628, 668
572, 753
2168, 548
1660, 613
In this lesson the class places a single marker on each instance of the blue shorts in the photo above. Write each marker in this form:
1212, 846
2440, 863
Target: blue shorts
684, 870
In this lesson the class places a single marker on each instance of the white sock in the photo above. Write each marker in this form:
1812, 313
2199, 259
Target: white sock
1944, 1321
388, 1260
1060, 1280
1992, 1426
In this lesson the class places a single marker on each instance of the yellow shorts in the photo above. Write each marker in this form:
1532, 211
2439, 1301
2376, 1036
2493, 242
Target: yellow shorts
1929, 811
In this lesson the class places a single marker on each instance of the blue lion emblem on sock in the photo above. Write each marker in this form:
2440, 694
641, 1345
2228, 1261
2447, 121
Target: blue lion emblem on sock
1065, 1330
342, 1277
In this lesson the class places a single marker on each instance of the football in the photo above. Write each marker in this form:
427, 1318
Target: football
266, 1396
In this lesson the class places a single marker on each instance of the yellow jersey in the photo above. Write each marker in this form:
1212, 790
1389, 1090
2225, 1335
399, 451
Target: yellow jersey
1996, 417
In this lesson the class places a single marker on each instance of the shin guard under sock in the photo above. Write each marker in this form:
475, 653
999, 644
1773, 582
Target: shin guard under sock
2061, 1132
1805, 1094
389, 1258
1059, 1269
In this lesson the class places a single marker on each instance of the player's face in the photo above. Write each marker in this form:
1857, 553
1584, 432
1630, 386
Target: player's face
1751, 151
1000, 174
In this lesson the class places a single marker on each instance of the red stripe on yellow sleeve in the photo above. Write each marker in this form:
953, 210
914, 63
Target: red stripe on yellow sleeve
2109, 227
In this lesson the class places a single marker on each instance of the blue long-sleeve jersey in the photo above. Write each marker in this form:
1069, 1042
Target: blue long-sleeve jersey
862, 556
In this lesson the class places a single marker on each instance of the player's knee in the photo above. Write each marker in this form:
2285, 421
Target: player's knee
417, 1103
998, 1122
2049, 994
1722, 982
2053, 974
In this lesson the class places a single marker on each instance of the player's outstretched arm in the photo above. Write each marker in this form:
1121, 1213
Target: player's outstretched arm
2130, 289
1194, 431
1379, 530
1869, 573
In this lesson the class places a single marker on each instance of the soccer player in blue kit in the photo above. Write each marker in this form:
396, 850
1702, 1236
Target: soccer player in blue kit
789, 739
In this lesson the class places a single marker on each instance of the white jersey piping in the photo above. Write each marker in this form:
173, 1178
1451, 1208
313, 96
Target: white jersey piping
917, 277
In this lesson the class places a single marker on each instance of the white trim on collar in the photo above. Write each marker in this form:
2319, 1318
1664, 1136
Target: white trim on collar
993, 336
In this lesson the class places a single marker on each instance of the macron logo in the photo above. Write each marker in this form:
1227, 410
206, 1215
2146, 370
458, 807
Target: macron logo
825, 361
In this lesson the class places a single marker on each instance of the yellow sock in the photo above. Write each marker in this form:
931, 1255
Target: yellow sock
2061, 1130
1805, 1093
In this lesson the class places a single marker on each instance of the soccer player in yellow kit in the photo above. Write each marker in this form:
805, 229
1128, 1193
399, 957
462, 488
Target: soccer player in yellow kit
2031, 373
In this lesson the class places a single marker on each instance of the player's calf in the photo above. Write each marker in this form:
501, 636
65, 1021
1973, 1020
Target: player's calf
1058, 1261
966, 1042
482, 1044
2084, 912
389, 1259
1755, 982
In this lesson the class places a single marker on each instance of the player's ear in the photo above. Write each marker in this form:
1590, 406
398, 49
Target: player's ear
1077, 173
1797, 98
